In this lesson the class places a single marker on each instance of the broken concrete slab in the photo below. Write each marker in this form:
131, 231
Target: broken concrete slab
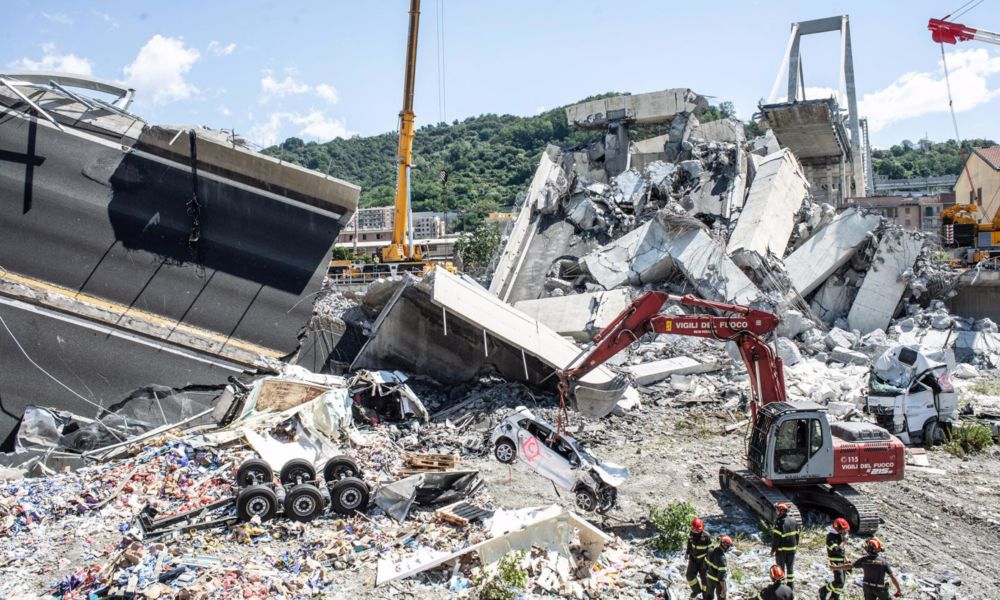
764, 144
630, 190
788, 351
645, 152
464, 332
879, 295
703, 261
832, 300
547, 187
636, 257
981, 345
658, 370
815, 131
838, 338
587, 166
829, 249
721, 130
550, 529
793, 322
716, 179
580, 211
641, 109
768, 216
681, 128
660, 175
849, 357
666, 242
577, 315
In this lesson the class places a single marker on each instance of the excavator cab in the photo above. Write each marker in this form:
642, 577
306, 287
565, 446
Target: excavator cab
791, 444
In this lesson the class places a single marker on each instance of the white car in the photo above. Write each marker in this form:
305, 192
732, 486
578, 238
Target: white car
558, 458
911, 396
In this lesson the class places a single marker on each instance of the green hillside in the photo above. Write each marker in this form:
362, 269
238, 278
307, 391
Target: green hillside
923, 159
491, 158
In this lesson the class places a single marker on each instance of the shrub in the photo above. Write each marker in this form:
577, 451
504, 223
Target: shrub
968, 438
672, 525
505, 581
940, 256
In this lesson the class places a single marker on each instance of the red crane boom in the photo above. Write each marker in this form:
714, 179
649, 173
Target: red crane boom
946, 32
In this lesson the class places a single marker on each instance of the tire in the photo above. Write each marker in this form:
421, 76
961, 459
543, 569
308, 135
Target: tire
256, 501
505, 451
303, 502
297, 470
933, 433
586, 500
254, 472
349, 495
340, 467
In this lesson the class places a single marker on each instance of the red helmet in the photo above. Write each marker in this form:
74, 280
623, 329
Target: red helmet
777, 573
841, 524
873, 546
782, 507
697, 525
725, 541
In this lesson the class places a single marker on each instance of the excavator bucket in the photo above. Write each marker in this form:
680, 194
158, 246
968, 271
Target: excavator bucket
598, 400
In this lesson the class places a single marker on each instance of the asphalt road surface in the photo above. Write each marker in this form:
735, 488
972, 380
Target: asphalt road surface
92, 219
101, 364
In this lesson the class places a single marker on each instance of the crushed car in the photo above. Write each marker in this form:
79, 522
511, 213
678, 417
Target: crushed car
384, 396
559, 458
912, 396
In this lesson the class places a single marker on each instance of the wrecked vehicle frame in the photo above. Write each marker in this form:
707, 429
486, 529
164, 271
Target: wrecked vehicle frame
559, 458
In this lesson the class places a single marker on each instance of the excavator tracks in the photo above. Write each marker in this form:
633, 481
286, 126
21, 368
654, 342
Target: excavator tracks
842, 500
758, 497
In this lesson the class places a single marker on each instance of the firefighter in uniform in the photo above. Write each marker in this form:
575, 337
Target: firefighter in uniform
784, 542
777, 590
835, 554
717, 569
875, 569
699, 543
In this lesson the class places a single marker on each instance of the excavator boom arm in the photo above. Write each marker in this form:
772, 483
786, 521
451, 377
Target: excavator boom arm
742, 325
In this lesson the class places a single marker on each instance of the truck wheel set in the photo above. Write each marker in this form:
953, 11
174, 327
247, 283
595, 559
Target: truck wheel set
299, 495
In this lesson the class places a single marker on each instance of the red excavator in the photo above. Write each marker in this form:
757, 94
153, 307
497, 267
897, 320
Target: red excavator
793, 453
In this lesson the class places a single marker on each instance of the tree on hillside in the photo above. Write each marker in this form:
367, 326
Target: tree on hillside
907, 160
490, 159
474, 251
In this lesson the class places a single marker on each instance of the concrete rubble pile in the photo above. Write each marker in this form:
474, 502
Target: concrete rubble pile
93, 516
702, 210
732, 220
407, 381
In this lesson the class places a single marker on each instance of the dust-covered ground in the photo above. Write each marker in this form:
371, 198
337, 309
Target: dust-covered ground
940, 530
941, 524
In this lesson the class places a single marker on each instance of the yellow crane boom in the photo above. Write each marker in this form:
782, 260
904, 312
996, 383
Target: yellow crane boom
398, 250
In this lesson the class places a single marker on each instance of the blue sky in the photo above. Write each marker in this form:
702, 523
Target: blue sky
330, 68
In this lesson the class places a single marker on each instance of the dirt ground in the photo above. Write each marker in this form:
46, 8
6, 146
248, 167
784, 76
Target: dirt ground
940, 530
936, 528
